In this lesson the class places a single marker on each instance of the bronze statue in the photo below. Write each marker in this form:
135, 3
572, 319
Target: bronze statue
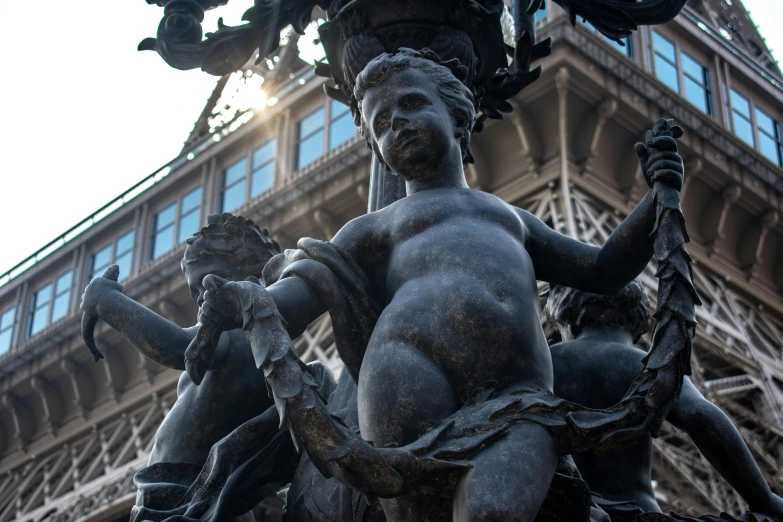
457, 271
231, 391
596, 363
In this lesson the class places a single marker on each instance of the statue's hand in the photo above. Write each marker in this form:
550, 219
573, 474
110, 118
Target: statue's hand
658, 156
223, 301
97, 291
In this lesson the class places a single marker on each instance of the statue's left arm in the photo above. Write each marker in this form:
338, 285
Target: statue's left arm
565, 261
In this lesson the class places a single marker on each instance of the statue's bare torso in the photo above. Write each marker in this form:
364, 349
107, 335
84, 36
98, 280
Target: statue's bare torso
462, 309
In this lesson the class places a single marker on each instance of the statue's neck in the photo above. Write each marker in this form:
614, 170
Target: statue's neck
606, 334
451, 175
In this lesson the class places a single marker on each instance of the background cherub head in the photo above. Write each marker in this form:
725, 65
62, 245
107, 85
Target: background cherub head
230, 247
572, 311
428, 74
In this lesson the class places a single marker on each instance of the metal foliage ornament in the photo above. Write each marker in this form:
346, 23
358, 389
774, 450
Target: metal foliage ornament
357, 31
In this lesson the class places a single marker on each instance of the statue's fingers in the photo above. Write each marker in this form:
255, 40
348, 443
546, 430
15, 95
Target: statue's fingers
661, 125
663, 143
213, 282
113, 272
668, 177
665, 155
208, 314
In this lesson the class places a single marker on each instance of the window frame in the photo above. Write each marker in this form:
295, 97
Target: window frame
707, 80
331, 120
175, 224
255, 168
91, 271
752, 119
33, 307
299, 139
181, 215
223, 188
250, 170
3, 328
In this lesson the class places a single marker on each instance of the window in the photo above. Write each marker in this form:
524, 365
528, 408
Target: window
263, 161
696, 82
50, 303
665, 61
163, 231
769, 137
341, 126
118, 253
310, 138
541, 16
234, 181
7, 329
189, 214
740, 118
681, 73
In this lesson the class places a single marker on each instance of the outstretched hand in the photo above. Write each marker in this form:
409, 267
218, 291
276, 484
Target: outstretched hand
222, 305
658, 155
97, 290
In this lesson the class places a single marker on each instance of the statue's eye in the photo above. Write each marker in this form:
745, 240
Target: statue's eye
411, 103
380, 123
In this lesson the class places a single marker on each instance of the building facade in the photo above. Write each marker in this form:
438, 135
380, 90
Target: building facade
271, 146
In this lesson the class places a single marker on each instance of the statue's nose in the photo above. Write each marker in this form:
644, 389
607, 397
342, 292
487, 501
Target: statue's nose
398, 123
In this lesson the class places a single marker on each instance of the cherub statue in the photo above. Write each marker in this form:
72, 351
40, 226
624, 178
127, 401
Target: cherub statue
453, 273
596, 363
231, 390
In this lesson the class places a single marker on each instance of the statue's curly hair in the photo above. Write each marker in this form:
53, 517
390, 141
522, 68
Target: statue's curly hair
239, 239
447, 77
571, 311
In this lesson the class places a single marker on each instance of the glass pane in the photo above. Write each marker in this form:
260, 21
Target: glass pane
341, 130
60, 307
740, 104
43, 297
124, 244
124, 261
39, 320
693, 68
311, 123
5, 340
769, 148
191, 200
264, 153
165, 217
696, 94
664, 46
100, 261
765, 123
64, 283
541, 13
262, 179
233, 197
667, 73
337, 109
188, 225
163, 241
7, 319
236, 171
743, 129
625, 49
310, 150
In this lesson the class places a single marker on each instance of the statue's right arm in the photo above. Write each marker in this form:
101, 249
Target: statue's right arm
155, 337
298, 303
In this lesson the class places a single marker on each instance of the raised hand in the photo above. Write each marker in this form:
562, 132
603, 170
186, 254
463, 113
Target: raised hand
97, 291
658, 156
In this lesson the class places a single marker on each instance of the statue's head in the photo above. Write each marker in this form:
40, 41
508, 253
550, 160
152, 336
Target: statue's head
230, 247
572, 311
414, 112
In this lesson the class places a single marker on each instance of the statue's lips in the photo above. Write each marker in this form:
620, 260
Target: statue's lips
407, 138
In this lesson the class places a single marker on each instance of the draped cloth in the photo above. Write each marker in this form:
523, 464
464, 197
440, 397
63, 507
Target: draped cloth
628, 511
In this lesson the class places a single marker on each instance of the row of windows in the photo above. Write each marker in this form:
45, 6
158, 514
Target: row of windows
316, 133
687, 76
172, 225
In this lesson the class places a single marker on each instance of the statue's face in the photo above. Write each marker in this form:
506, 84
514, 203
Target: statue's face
210, 264
410, 124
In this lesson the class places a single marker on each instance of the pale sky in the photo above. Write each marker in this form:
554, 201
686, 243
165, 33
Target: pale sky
86, 115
